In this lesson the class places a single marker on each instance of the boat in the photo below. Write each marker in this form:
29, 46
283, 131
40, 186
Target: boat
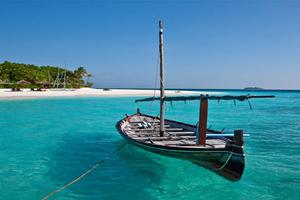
219, 151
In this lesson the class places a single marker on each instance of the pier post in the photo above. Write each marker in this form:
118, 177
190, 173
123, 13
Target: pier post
238, 137
202, 121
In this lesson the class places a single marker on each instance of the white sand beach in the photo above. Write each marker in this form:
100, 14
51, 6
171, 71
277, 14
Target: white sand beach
26, 93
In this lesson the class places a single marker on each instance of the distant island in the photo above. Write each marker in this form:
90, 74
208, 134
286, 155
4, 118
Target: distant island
19, 75
253, 88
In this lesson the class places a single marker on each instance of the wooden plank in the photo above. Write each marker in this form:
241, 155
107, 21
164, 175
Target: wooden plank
175, 134
174, 129
150, 138
137, 130
170, 138
167, 133
136, 125
151, 128
176, 142
166, 125
182, 133
181, 142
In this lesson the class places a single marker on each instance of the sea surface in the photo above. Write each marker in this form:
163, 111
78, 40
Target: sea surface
45, 143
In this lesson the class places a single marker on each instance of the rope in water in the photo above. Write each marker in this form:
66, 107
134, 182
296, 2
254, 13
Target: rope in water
83, 174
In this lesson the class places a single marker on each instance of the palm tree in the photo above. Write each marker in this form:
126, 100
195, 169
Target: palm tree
80, 72
88, 77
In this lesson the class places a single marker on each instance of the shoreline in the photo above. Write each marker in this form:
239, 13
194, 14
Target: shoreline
7, 94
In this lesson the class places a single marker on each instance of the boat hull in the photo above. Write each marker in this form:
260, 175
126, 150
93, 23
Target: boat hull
228, 162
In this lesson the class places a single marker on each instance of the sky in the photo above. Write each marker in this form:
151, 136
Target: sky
208, 44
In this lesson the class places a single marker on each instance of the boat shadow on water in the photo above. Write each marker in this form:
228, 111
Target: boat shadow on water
128, 173
131, 173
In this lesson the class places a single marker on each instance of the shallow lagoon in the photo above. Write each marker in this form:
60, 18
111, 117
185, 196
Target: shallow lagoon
46, 143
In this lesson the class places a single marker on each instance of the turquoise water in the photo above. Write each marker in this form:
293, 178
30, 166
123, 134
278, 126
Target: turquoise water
46, 143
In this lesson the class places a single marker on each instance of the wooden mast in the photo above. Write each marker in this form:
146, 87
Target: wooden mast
202, 121
162, 90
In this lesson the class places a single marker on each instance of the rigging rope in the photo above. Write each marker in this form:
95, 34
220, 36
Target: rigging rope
91, 169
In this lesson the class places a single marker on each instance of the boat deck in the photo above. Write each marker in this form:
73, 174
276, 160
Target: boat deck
146, 129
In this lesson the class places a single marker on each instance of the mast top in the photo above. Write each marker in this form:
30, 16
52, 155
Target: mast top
160, 25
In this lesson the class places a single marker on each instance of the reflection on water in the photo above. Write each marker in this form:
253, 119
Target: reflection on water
116, 176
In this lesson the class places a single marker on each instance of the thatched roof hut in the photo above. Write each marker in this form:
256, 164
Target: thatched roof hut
6, 82
23, 82
43, 83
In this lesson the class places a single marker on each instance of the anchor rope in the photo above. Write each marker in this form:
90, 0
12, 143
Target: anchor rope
84, 174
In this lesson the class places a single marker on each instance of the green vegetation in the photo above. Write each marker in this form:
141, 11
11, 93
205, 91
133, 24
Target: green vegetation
14, 75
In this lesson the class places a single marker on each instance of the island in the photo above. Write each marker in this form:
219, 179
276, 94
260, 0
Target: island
253, 88
19, 75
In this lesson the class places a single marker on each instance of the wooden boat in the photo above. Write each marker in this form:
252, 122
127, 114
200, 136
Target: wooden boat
221, 152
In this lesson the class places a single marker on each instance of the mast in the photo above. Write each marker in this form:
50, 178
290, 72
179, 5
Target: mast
162, 89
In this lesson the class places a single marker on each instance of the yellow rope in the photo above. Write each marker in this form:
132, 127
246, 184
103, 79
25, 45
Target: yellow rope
228, 158
82, 175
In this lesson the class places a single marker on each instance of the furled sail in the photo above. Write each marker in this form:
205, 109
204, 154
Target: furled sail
191, 98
